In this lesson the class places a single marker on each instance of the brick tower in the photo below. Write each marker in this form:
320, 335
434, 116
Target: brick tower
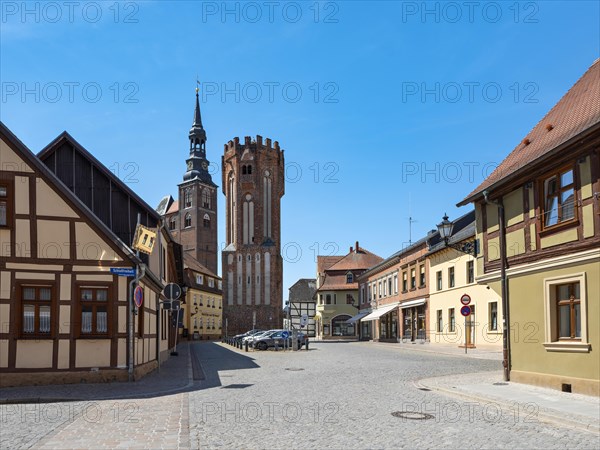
252, 271
195, 228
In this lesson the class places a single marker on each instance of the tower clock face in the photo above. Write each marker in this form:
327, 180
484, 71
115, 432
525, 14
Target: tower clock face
204, 165
189, 165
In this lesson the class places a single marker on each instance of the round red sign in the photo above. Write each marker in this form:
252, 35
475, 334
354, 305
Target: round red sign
465, 311
138, 296
465, 299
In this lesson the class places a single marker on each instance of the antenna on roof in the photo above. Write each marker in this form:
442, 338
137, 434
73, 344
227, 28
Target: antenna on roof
410, 222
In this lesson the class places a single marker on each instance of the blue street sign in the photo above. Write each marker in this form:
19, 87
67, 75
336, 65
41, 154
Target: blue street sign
123, 271
285, 334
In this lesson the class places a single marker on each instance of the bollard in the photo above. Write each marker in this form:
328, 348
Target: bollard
246, 345
306, 344
239, 344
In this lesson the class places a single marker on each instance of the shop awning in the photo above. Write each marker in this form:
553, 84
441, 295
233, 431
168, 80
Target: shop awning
413, 303
357, 317
376, 314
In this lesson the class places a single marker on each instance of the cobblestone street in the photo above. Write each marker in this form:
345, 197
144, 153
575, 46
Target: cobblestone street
337, 395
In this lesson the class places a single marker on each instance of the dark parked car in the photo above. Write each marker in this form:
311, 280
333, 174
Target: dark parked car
270, 338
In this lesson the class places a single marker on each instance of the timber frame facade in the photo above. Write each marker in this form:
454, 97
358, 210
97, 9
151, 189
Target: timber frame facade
64, 314
538, 218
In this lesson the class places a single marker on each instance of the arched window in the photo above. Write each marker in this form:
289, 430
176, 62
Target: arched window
244, 170
188, 220
188, 198
339, 327
249, 170
172, 223
206, 199
206, 220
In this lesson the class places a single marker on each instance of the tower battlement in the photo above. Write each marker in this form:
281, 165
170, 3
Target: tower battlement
251, 143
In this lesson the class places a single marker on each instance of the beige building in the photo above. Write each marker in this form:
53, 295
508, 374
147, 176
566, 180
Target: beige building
452, 276
538, 218
64, 313
203, 309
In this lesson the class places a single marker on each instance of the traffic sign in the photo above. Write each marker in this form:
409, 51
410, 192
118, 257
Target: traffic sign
465, 311
285, 334
172, 291
138, 296
465, 299
123, 271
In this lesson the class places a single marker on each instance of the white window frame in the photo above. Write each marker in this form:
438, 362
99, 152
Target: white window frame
551, 322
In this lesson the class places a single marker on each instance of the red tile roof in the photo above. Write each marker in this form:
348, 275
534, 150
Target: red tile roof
337, 283
355, 260
193, 264
577, 111
173, 208
325, 262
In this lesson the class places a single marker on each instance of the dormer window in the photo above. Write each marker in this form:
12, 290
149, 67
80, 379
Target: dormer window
349, 277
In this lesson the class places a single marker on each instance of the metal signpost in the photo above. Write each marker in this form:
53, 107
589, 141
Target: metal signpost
466, 312
172, 292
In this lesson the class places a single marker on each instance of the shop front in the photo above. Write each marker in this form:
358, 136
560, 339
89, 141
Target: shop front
414, 320
384, 322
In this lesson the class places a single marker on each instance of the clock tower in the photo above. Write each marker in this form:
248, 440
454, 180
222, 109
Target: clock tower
197, 208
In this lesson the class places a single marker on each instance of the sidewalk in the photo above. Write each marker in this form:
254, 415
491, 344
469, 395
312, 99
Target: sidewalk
483, 352
175, 375
529, 403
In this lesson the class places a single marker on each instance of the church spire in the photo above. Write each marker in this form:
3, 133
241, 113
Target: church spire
197, 164
197, 117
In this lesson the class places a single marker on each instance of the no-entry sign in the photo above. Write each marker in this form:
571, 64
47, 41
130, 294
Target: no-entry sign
465, 299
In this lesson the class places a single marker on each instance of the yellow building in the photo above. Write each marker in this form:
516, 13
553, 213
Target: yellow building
538, 218
452, 275
203, 309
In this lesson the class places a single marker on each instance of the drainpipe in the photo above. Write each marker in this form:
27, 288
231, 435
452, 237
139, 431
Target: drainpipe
504, 287
140, 272
158, 310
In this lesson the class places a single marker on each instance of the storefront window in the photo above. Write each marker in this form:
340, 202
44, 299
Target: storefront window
340, 327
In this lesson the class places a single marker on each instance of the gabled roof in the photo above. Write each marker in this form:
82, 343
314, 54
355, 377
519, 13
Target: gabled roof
164, 205
325, 262
192, 263
74, 201
173, 208
575, 113
303, 290
47, 151
357, 259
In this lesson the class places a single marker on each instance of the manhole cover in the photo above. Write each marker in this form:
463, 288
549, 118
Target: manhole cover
500, 384
412, 415
236, 386
294, 369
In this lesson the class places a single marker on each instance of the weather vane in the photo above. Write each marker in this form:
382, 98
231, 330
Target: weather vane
197, 84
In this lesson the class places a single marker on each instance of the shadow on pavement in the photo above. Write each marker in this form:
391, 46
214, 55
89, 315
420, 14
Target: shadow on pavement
176, 375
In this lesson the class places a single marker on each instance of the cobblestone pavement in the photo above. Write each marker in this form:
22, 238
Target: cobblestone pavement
337, 395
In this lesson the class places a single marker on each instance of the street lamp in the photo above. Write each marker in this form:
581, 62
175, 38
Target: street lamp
445, 230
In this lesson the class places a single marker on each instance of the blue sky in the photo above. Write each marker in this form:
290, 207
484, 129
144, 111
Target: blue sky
385, 109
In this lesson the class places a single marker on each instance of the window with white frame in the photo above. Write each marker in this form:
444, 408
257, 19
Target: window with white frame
565, 303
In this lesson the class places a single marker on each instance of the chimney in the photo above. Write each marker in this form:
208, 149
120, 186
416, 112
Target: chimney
351, 249
356, 247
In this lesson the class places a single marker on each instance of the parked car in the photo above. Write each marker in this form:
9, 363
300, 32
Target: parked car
252, 335
272, 337
238, 337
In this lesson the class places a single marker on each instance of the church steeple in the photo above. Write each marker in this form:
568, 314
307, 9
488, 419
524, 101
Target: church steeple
197, 164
